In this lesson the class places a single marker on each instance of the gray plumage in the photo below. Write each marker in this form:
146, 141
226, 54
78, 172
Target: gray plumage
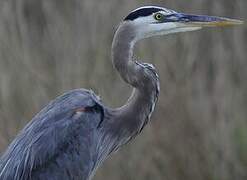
61, 142
71, 137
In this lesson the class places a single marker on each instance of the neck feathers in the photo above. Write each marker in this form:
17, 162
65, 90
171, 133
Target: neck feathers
122, 52
134, 115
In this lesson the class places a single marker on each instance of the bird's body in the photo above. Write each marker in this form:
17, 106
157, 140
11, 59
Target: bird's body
75, 133
76, 125
65, 119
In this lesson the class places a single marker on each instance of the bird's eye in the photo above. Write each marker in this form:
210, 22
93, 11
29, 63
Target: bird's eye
158, 16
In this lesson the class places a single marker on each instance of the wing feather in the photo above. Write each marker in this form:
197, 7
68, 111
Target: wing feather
49, 135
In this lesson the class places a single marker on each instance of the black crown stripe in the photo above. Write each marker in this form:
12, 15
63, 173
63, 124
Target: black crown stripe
141, 13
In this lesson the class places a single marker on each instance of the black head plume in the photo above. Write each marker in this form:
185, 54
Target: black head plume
142, 12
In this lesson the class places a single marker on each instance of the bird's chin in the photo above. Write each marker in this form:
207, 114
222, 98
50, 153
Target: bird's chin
184, 29
171, 31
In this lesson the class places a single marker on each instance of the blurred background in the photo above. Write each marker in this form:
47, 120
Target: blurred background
199, 128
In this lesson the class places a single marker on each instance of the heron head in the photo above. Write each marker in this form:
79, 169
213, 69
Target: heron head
152, 20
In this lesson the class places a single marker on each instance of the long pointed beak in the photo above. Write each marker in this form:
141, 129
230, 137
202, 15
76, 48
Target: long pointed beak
202, 20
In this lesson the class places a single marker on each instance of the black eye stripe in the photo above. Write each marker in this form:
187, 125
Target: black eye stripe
142, 13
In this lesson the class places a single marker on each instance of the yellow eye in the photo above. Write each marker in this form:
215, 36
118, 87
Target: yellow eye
158, 16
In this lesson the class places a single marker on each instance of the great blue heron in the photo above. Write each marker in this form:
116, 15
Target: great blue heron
75, 133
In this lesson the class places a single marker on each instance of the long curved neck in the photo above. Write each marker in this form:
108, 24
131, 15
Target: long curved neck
136, 112
122, 124
122, 53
